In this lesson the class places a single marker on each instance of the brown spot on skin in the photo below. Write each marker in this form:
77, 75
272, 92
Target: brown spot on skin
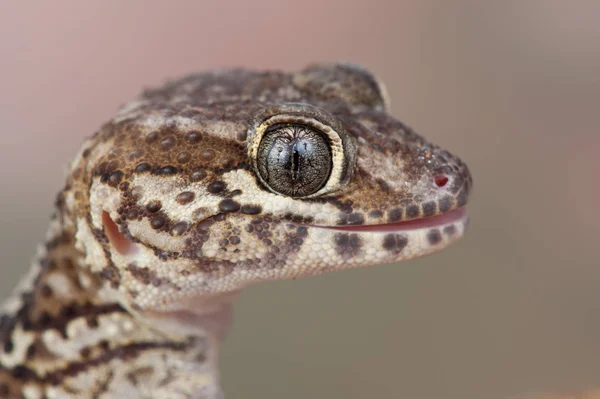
168, 143
184, 157
185, 197
132, 214
302, 231
179, 229
303, 220
31, 351
85, 352
45, 319
207, 154
152, 137
8, 345
158, 222
166, 170
143, 168
142, 274
395, 243
450, 230
251, 209
461, 199
154, 206
197, 175
216, 187
136, 154
242, 135
445, 203
412, 211
193, 137
395, 215
348, 245
356, 219
229, 205
101, 169
104, 345
68, 311
376, 214
92, 321
434, 236
429, 208
204, 225
62, 239
111, 273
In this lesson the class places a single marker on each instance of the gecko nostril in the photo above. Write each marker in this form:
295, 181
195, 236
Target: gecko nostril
122, 244
441, 180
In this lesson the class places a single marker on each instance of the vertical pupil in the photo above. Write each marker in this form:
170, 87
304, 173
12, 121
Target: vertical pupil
295, 161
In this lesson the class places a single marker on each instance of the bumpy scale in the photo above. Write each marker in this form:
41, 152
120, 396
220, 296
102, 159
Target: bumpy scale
199, 188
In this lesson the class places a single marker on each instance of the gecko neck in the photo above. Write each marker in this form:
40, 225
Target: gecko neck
211, 313
60, 325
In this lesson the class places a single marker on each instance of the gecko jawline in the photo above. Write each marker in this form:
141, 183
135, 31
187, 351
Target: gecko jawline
456, 215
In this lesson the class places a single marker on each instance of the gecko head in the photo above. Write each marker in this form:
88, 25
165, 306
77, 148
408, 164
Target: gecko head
231, 177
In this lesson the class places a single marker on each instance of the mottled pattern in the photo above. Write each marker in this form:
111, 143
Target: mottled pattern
164, 218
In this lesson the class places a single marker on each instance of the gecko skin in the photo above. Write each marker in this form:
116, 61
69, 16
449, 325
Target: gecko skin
195, 190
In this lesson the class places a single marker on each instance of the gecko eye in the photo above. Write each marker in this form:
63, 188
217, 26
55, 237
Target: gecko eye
300, 151
294, 160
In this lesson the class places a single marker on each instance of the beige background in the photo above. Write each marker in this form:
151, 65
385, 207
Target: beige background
513, 87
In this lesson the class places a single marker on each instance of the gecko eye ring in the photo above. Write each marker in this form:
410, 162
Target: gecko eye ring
299, 155
294, 160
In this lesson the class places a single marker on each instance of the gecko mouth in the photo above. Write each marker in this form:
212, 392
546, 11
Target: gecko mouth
451, 217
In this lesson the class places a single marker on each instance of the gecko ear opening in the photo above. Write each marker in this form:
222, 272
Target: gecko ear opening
122, 244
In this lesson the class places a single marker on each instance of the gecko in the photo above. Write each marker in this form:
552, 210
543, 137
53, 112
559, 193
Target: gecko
199, 188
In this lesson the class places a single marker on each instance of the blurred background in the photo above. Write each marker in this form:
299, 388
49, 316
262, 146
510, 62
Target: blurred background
512, 87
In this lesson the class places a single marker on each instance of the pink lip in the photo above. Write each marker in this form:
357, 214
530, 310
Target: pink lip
432, 221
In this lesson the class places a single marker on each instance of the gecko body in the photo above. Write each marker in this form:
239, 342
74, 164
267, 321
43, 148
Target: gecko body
195, 190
